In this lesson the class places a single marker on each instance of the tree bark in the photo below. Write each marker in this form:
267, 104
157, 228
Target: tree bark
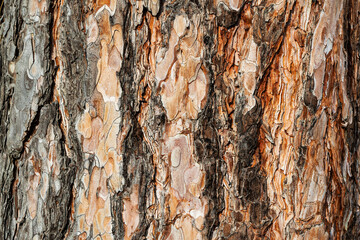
189, 119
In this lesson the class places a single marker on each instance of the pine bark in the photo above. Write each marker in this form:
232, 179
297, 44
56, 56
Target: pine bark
188, 119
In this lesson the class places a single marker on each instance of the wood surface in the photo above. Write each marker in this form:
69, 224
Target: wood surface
187, 119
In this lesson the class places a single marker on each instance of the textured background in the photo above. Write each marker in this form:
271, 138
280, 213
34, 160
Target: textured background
194, 119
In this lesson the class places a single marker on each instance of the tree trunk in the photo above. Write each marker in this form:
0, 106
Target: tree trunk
194, 119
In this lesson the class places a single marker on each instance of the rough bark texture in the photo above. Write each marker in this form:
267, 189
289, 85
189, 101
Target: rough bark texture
188, 119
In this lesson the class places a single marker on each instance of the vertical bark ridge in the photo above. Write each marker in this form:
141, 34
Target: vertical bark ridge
308, 194
137, 167
27, 92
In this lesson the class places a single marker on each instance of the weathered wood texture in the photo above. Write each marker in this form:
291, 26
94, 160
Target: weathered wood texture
188, 119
